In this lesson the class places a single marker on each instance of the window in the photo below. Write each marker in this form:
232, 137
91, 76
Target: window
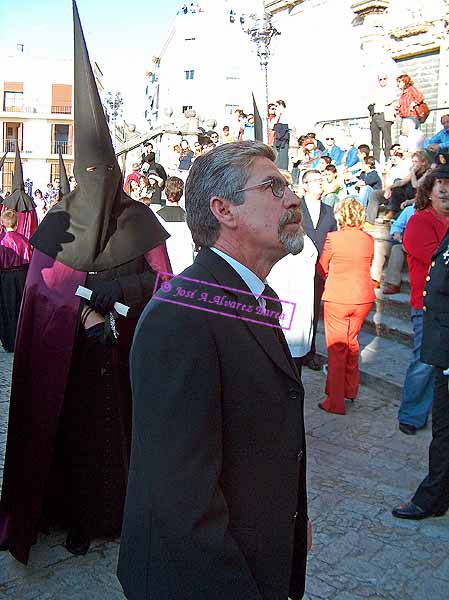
12, 137
13, 96
54, 170
13, 102
61, 139
7, 173
190, 74
184, 108
230, 108
61, 98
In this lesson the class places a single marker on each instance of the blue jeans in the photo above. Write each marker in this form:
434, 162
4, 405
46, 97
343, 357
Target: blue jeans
417, 393
364, 195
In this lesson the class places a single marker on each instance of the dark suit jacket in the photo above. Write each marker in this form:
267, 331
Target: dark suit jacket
326, 223
216, 502
435, 343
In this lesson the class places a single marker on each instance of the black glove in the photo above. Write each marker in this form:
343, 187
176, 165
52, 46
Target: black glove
104, 295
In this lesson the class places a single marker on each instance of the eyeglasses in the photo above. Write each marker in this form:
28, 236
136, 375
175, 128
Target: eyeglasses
382, 79
278, 186
317, 180
330, 139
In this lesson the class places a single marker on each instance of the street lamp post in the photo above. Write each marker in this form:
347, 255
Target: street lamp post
115, 104
261, 32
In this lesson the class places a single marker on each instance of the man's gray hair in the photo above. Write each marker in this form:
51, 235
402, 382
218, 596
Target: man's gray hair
220, 172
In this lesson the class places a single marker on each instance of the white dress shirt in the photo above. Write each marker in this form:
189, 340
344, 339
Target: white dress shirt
314, 208
255, 284
292, 278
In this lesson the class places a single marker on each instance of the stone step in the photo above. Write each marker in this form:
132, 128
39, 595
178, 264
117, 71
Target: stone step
395, 305
383, 362
387, 326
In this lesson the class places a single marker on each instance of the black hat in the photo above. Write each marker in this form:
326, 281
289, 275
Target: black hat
441, 170
18, 199
64, 185
96, 226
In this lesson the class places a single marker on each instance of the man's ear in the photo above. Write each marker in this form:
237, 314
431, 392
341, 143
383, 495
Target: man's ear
224, 211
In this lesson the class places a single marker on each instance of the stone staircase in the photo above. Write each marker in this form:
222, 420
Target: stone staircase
386, 338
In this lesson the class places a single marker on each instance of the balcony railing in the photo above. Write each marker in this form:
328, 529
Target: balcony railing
63, 147
10, 145
61, 110
39, 109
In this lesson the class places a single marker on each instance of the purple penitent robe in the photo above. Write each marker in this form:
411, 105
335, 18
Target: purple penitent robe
45, 337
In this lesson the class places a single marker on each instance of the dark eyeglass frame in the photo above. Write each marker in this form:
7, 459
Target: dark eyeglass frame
278, 193
330, 138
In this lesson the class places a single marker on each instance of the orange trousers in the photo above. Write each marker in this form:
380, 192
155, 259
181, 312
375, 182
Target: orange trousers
342, 323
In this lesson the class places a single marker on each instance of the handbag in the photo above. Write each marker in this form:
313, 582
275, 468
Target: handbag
422, 111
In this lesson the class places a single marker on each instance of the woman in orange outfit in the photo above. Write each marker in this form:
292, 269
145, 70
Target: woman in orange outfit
348, 297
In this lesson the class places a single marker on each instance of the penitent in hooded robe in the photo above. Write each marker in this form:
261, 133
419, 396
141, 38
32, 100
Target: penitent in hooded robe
15, 254
20, 201
70, 410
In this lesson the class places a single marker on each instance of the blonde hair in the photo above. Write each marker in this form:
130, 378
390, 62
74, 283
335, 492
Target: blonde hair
287, 176
350, 213
9, 219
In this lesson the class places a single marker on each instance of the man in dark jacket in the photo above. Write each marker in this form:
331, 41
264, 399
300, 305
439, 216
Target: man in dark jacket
318, 221
216, 503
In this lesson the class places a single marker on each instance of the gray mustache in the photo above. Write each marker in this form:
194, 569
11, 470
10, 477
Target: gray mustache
292, 216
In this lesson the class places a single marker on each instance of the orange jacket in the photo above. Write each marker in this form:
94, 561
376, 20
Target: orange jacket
345, 262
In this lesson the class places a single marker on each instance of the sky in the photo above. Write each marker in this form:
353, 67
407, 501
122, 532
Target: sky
122, 37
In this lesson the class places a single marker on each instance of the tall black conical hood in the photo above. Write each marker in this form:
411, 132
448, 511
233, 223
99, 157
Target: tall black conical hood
2, 160
18, 199
96, 226
258, 126
64, 185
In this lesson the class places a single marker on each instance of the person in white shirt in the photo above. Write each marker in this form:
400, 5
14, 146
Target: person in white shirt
382, 115
180, 245
292, 278
411, 139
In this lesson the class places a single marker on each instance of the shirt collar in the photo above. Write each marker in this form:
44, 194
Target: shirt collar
256, 285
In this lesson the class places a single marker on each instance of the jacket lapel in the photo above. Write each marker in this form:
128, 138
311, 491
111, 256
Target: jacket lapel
265, 335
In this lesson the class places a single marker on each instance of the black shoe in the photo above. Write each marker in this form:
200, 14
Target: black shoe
412, 511
77, 544
313, 363
407, 429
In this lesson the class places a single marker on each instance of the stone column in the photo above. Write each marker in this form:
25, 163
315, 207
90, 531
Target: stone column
370, 14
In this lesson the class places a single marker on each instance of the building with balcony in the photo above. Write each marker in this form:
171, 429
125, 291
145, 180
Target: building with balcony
36, 115
207, 64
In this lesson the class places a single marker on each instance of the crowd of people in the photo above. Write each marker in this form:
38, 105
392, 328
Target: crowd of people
180, 425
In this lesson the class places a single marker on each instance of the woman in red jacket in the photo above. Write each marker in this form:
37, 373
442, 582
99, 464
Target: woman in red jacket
409, 98
422, 236
348, 297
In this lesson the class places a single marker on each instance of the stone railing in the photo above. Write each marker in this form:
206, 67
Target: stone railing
361, 124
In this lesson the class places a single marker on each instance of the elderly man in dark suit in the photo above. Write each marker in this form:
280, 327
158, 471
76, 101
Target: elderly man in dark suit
432, 496
216, 506
318, 221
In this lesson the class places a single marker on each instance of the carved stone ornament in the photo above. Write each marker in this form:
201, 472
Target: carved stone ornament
369, 7
410, 30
